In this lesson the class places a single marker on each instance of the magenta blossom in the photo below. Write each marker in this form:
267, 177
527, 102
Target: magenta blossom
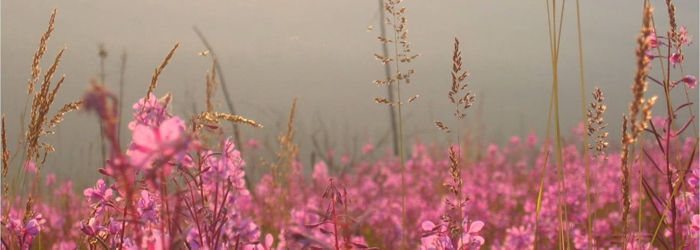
100, 194
368, 148
150, 112
683, 37
676, 58
695, 225
690, 81
30, 166
92, 227
162, 142
470, 237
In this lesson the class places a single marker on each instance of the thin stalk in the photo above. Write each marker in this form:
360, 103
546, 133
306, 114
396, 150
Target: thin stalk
103, 146
387, 72
401, 150
224, 88
538, 207
555, 41
122, 70
677, 186
585, 135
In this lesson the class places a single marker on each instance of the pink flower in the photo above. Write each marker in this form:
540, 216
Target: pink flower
532, 139
690, 81
320, 172
193, 239
162, 142
267, 245
146, 206
30, 166
253, 144
32, 227
155, 240
676, 58
470, 238
152, 112
367, 148
514, 141
694, 179
50, 180
653, 40
101, 193
114, 226
91, 228
683, 36
695, 221
435, 237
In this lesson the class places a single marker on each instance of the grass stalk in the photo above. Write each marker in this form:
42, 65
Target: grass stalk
122, 71
224, 87
587, 161
555, 42
387, 73
538, 207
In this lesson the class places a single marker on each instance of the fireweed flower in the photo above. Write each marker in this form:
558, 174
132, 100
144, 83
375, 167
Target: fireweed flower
253, 144
114, 226
50, 180
368, 148
267, 245
155, 241
147, 207
152, 112
694, 180
676, 58
100, 194
470, 237
519, 238
683, 37
30, 166
435, 237
28, 230
653, 40
92, 227
193, 239
690, 81
695, 225
228, 166
162, 142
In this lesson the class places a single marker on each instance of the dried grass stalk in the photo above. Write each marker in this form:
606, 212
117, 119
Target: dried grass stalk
640, 84
156, 74
384, 100
66, 108
36, 70
626, 200
215, 118
672, 24
5, 152
595, 123
40, 107
211, 87
629, 138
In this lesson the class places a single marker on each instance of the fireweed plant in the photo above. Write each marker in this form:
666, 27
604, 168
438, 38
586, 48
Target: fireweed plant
181, 183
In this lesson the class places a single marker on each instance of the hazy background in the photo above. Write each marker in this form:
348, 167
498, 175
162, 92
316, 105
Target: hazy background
322, 53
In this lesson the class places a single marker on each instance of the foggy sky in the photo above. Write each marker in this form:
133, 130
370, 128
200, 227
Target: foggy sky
322, 53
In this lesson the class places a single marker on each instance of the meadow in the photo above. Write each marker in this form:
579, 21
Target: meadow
198, 182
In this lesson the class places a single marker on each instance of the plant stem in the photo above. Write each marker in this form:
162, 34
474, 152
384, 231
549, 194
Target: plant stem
387, 72
589, 212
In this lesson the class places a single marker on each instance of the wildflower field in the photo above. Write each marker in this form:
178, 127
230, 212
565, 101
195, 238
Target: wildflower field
199, 182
